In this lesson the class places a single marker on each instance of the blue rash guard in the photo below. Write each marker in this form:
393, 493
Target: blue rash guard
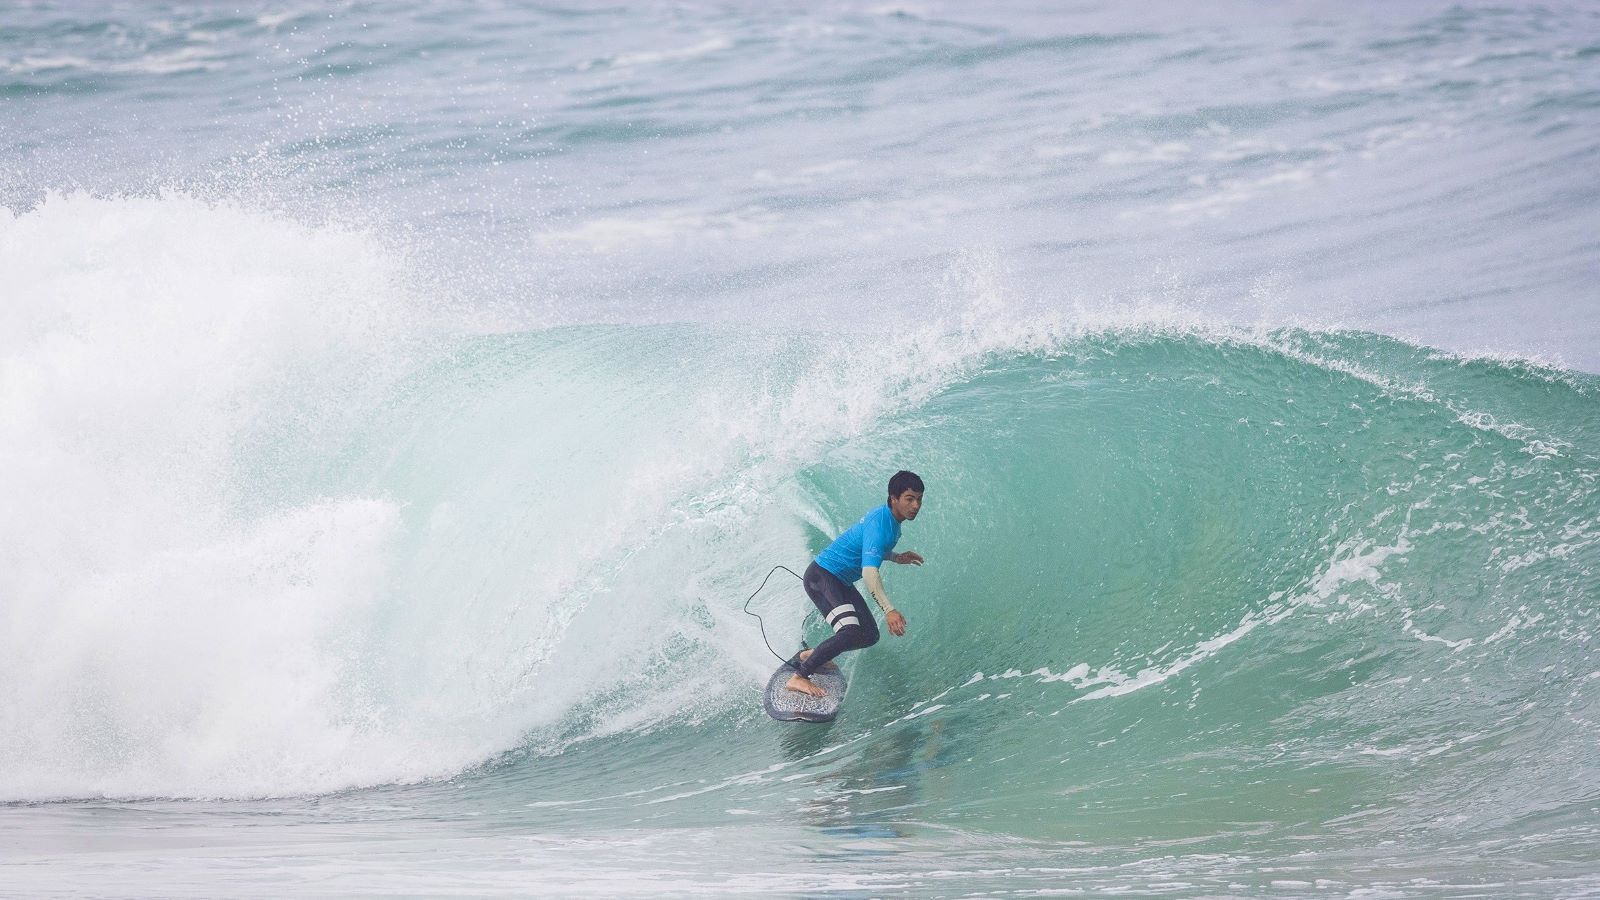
866, 543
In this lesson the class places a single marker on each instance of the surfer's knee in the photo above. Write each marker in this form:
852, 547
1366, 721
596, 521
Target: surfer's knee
862, 637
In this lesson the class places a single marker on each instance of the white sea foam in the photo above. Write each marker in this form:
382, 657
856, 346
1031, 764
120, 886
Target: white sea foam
162, 641
606, 234
183, 60
710, 45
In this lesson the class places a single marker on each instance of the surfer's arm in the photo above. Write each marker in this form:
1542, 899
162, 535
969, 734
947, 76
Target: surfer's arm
875, 587
897, 622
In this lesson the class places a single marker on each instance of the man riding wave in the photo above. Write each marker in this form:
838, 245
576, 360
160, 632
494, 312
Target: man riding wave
857, 555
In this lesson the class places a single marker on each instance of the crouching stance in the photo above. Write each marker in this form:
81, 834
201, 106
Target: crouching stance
857, 555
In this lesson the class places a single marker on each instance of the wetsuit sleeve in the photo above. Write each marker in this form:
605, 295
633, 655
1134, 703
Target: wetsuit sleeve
875, 588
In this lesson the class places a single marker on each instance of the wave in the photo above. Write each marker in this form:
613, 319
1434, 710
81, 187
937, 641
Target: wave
271, 528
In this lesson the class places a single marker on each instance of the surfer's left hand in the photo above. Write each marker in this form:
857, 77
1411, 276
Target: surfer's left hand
897, 623
909, 558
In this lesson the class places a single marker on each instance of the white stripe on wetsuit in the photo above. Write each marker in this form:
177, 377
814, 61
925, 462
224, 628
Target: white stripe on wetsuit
841, 616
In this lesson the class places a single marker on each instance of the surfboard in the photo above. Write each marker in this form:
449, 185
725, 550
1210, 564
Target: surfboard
792, 706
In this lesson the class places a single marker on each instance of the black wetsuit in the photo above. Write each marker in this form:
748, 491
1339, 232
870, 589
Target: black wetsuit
845, 611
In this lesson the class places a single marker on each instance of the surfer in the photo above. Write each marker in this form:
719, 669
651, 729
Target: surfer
856, 555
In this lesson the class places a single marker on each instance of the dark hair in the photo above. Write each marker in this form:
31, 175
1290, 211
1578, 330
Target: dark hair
904, 481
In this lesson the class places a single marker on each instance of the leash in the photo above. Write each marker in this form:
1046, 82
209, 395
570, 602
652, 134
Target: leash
759, 621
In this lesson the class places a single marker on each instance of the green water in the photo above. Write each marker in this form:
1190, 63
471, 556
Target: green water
1222, 594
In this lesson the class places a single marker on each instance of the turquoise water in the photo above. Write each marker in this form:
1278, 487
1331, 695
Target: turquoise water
397, 407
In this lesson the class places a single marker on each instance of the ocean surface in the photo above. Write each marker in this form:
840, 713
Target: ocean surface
400, 402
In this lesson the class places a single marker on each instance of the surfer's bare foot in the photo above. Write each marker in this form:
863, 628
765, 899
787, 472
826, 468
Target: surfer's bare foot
806, 654
803, 685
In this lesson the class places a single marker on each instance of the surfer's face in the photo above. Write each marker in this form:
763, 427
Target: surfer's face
906, 506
